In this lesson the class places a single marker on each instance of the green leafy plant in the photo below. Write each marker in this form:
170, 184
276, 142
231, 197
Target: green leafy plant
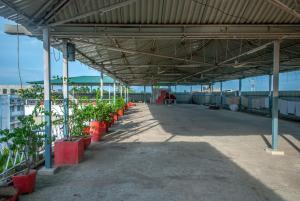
25, 139
120, 103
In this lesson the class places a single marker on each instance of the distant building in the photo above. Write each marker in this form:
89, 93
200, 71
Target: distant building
10, 89
11, 107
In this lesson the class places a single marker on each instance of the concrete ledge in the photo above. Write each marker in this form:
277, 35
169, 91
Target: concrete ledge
274, 152
48, 171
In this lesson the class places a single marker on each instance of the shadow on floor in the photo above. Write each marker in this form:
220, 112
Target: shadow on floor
152, 171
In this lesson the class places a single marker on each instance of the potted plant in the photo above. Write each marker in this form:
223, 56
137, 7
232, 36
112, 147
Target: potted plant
97, 124
120, 106
27, 140
70, 150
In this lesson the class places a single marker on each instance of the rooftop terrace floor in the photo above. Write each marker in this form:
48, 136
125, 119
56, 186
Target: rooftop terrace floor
182, 152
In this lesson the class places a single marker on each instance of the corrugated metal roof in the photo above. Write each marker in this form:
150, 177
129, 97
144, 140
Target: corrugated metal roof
80, 80
174, 41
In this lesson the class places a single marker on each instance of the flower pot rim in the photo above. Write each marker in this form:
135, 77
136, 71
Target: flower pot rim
31, 171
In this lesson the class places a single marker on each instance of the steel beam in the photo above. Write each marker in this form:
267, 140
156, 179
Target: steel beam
11, 5
177, 31
66, 89
130, 51
47, 98
275, 95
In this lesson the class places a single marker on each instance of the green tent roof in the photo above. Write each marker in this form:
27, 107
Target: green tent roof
80, 80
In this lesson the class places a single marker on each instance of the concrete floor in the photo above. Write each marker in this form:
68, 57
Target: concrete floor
182, 153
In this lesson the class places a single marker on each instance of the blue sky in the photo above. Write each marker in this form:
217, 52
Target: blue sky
31, 64
31, 59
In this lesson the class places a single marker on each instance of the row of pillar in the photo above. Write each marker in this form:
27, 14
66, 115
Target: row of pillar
47, 94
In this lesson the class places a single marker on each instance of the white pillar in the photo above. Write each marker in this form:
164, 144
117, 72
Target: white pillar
275, 95
109, 92
65, 89
101, 85
114, 91
47, 98
121, 90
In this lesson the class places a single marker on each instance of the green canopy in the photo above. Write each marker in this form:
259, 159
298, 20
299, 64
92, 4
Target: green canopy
80, 81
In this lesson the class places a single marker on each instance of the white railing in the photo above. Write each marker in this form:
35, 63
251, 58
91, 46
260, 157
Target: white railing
14, 162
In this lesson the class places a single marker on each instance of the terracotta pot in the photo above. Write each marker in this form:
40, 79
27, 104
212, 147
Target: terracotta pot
97, 129
25, 183
115, 117
68, 152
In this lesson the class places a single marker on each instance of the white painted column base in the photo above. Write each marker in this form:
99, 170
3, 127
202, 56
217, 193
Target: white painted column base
274, 152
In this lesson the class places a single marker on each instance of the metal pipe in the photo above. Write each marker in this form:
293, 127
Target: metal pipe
47, 98
66, 89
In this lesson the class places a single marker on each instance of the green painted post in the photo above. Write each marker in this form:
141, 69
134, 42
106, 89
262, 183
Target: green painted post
47, 98
65, 89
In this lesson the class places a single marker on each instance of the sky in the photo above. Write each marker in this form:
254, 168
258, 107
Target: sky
31, 66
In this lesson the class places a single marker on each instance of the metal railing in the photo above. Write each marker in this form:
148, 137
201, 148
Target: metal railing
13, 161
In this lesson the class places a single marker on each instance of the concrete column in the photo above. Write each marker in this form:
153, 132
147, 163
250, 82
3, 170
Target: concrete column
240, 94
221, 94
275, 95
66, 89
270, 94
114, 92
145, 97
109, 92
127, 94
201, 88
47, 98
101, 85
212, 87
152, 95
121, 90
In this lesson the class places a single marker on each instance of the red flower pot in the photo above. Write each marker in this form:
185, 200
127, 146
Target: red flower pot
68, 152
115, 117
97, 129
87, 141
25, 183
120, 112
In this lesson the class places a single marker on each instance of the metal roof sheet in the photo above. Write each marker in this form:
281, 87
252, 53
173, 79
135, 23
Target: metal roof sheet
79, 80
173, 41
